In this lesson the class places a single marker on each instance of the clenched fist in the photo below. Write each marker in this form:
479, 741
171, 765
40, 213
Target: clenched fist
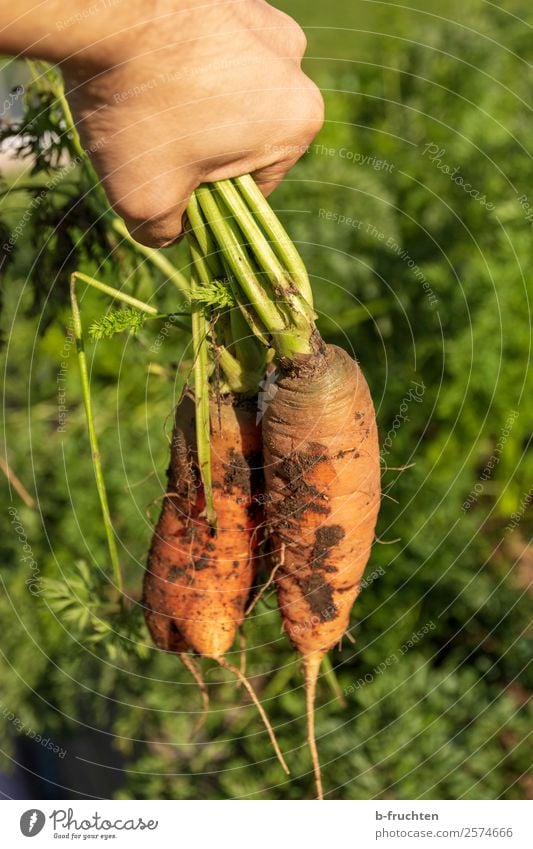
172, 93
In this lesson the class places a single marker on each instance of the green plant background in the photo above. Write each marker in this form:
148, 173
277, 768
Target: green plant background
442, 716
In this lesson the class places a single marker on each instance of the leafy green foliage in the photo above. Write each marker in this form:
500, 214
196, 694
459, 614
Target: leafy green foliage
216, 294
92, 611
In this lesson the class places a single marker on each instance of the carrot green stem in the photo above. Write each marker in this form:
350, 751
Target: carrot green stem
213, 262
93, 440
254, 323
331, 678
81, 153
207, 244
264, 254
279, 277
115, 293
154, 256
243, 371
201, 399
291, 331
250, 352
227, 238
133, 302
276, 233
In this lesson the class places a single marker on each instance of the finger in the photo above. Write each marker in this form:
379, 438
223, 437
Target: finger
158, 231
154, 211
269, 177
303, 131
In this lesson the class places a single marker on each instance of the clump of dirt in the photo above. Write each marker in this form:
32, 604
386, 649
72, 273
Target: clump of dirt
301, 495
326, 538
237, 474
176, 572
319, 596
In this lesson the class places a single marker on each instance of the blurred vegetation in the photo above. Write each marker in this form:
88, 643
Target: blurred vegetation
445, 715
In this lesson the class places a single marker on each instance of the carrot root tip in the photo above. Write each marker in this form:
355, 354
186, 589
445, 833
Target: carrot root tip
253, 695
192, 667
312, 664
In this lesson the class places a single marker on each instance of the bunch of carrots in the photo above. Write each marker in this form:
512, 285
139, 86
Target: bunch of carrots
294, 478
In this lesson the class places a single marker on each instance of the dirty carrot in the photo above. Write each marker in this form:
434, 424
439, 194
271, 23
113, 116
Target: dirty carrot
198, 578
323, 481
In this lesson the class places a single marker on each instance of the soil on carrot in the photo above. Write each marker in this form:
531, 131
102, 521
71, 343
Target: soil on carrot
326, 538
319, 596
301, 495
176, 572
244, 472
237, 474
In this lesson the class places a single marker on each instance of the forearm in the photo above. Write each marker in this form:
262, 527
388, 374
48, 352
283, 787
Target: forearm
95, 32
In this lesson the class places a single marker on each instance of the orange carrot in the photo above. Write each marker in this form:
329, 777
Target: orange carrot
198, 578
323, 485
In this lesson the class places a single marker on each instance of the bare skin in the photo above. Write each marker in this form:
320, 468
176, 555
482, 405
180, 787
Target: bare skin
173, 93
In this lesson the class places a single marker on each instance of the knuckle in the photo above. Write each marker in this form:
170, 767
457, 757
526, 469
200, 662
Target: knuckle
293, 34
299, 39
315, 115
